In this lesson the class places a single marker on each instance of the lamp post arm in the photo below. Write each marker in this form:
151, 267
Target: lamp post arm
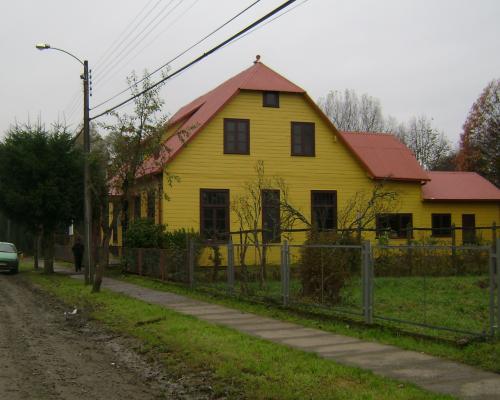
68, 53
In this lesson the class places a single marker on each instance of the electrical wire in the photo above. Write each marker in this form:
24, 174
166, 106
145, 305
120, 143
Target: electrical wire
126, 50
172, 24
268, 22
124, 37
179, 55
198, 59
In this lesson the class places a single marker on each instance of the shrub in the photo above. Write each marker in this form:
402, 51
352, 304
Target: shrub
325, 271
144, 234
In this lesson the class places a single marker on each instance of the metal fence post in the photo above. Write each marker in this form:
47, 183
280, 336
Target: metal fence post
191, 263
367, 281
230, 267
454, 247
285, 272
493, 258
139, 261
497, 272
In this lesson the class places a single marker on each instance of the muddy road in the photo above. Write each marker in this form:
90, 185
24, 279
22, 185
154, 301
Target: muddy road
46, 356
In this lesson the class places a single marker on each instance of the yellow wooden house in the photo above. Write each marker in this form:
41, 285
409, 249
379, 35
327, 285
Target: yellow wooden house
258, 117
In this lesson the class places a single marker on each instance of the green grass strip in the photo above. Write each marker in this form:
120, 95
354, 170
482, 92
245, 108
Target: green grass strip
241, 366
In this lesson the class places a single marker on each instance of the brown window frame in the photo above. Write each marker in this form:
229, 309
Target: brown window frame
334, 206
275, 235
246, 122
401, 230
302, 152
440, 231
217, 237
151, 205
137, 207
115, 225
469, 235
270, 104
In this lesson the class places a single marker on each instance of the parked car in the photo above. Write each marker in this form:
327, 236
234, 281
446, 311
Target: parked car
9, 258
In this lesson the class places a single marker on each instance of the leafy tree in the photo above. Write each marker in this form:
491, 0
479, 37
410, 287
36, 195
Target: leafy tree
133, 138
41, 181
480, 139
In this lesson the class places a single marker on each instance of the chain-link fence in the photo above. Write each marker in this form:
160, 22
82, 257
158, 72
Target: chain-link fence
423, 288
444, 287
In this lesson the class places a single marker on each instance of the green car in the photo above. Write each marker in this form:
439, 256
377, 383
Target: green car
9, 258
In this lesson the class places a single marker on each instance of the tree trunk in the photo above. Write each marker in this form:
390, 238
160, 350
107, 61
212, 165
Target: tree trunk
36, 250
48, 252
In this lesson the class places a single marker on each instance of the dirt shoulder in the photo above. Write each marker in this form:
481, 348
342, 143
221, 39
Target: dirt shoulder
46, 355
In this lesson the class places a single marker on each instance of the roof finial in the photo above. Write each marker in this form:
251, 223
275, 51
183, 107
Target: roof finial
257, 59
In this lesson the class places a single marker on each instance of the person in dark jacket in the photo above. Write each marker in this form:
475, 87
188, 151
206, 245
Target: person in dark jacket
78, 254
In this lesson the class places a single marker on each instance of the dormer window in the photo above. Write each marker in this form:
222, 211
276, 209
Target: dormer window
271, 99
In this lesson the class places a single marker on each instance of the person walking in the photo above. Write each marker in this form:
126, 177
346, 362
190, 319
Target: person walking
78, 254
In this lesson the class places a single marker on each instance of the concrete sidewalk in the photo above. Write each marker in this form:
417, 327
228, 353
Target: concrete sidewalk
426, 371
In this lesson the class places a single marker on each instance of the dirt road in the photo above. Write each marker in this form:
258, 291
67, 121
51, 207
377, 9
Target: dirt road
45, 356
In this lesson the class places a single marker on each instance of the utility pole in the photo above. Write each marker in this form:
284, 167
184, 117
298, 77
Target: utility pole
87, 222
87, 206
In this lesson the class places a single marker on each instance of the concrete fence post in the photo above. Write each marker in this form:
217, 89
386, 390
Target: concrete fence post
230, 267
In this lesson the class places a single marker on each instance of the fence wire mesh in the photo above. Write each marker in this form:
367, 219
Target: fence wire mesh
452, 290
443, 287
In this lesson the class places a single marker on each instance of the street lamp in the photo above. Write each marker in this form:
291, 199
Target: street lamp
87, 210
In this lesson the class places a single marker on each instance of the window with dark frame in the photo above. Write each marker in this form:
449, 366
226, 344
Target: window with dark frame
151, 205
441, 225
115, 225
394, 224
214, 214
271, 99
324, 209
137, 207
236, 136
469, 229
271, 216
303, 139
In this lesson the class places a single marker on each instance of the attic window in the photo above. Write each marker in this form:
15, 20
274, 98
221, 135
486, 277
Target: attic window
271, 99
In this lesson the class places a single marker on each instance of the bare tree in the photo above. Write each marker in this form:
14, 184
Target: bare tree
248, 207
361, 210
429, 146
348, 112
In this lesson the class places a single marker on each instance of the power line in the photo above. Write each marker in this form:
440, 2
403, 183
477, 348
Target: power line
127, 50
204, 55
271, 20
125, 37
179, 55
168, 27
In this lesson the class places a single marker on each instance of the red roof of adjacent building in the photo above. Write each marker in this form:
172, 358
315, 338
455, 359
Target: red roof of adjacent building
384, 156
459, 186
194, 116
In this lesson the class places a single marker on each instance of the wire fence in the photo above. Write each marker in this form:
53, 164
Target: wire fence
442, 290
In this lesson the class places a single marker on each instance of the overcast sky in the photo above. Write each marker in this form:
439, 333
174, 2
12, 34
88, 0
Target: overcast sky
429, 57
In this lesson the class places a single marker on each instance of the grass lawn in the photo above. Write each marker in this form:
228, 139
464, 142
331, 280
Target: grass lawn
459, 308
240, 366
453, 302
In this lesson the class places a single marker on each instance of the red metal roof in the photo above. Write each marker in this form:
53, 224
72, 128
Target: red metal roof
384, 156
195, 115
459, 186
